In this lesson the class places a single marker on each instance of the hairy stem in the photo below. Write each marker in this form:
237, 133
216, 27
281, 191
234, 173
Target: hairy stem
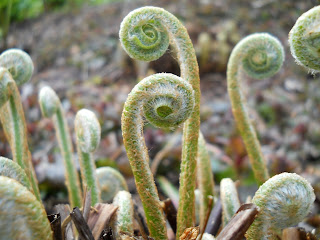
159, 91
260, 55
145, 35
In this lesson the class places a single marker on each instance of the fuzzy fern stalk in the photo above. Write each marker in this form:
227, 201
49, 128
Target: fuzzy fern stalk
111, 182
88, 133
165, 100
22, 216
204, 178
229, 200
283, 201
145, 35
16, 68
51, 107
259, 55
304, 40
10, 169
124, 216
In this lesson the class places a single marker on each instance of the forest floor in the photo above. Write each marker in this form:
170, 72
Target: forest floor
78, 54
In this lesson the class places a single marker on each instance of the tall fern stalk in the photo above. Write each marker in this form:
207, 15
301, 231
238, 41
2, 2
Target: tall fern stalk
166, 101
16, 68
51, 107
259, 55
88, 134
145, 35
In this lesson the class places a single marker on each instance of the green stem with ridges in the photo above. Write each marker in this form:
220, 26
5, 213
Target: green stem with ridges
88, 134
260, 55
158, 91
124, 215
304, 40
22, 216
145, 35
16, 69
51, 107
111, 182
204, 178
283, 201
229, 200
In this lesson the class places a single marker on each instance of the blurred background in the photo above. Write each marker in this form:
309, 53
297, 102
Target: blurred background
75, 49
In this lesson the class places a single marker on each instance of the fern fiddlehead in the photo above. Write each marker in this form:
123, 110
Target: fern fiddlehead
124, 216
16, 69
22, 216
284, 200
229, 200
88, 132
51, 107
259, 55
145, 34
111, 182
166, 101
304, 40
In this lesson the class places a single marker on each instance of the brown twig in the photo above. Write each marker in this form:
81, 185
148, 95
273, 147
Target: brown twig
171, 213
202, 228
239, 223
55, 222
214, 221
81, 225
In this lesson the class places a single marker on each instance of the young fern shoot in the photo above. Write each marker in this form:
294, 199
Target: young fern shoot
283, 201
124, 216
145, 35
229, 200
260, 55
51, 107
22, 216
16, 68
304, 40
111, 182
165, 100
88, 132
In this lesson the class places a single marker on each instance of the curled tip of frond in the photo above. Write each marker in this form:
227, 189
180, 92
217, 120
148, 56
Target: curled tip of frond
18, 63
143, 34
9, 168
111, 182
262, 55
304, 40
284, 200
88, 130
49, 101
167, 100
